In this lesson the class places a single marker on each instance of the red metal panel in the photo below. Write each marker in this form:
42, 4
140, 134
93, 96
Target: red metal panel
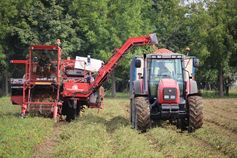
17, 100
167, 83
73, 89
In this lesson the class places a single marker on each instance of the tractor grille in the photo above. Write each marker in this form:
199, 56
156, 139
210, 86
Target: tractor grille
170, 93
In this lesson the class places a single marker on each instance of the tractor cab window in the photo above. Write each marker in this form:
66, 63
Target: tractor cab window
164, 68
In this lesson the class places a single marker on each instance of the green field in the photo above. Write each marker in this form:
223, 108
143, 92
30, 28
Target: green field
107, 133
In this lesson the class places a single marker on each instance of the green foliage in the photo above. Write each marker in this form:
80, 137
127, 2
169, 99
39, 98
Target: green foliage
42, 22
98, 27
213, 40
104, 28
170, 24
2, 62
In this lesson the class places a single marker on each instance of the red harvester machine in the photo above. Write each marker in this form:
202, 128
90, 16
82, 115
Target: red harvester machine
56, 87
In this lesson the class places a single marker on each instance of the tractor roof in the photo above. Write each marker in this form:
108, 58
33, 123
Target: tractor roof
163, 50
164, 53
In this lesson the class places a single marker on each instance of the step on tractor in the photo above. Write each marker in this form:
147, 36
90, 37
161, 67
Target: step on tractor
58, 87
163, 87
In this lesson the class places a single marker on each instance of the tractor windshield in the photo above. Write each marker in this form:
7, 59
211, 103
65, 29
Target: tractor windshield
164, 68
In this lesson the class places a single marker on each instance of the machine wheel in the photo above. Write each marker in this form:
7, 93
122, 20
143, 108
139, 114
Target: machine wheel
195, 113
182, 123
71, 109
132, 113
78, 111
142, 114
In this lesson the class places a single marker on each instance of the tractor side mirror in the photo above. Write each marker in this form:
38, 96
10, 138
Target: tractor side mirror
196, 62
137, 63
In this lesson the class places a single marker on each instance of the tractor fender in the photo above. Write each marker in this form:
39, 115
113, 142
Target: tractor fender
137, 87
193, 87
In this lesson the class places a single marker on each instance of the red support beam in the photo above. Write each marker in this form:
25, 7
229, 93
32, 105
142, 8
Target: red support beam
113, 61
18, 61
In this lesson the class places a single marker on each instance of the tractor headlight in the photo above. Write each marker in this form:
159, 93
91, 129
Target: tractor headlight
166, 97
172, 97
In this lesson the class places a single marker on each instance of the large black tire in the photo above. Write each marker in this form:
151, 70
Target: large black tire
142, 114
195, 113
71, 112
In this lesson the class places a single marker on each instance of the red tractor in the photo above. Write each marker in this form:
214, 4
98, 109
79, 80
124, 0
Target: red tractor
63, 87
162, 87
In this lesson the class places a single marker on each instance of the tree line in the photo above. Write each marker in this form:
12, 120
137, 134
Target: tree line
208, 27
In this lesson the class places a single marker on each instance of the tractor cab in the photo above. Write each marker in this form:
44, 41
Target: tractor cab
165, 76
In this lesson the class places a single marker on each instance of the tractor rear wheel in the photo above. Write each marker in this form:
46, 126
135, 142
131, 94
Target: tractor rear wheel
195, 113
142, 114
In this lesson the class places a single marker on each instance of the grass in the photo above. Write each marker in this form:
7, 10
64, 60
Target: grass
107, 133
175, 144
104, 134
214, 94
117, 139
18, 137
219, 142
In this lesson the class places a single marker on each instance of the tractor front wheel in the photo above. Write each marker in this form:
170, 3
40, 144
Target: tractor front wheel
142, 119
195, 113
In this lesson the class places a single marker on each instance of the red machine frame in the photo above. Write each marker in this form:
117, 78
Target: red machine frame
29, 81
86, 89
